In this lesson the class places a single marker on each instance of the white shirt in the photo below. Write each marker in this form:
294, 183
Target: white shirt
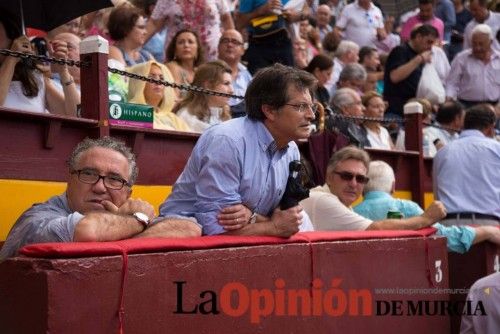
361, 25
327, 213
17, 100
198, 125
472, 80
443, 135
493, 21
380, 140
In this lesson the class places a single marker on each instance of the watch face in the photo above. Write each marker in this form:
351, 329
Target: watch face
142, 217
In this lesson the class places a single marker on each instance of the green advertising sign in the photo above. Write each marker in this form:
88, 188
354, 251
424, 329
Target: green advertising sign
131, 114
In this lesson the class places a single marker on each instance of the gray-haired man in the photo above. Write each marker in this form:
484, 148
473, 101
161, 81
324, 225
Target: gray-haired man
96, 205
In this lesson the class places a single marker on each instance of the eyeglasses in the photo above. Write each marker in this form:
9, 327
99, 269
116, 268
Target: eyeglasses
90, 176
302, 107
347, 176
226, 40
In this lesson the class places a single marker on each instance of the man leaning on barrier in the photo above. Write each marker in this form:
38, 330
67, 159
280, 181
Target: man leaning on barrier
96, 205
238, 170
329, 206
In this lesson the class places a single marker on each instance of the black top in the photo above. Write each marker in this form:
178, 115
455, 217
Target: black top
322, 96
463, 18
396, 94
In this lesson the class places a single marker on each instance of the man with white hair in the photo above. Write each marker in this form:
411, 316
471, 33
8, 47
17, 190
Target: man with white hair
353, 76
378, 201
482, 15
73, 44
346, 53
474, 73
329, 206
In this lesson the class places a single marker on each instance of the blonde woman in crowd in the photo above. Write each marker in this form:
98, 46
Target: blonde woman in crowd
161, 97
200, 111
377, 135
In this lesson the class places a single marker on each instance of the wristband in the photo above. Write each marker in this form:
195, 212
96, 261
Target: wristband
69, 82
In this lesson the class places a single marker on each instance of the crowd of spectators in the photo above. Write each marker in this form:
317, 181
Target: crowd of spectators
344, 44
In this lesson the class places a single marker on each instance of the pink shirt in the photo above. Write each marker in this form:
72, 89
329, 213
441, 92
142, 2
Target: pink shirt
414, 20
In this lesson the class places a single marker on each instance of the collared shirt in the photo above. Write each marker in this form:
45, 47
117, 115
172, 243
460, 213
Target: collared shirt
415, 20
360, 24
328, 213
493, 21
240, 84
487, 291
233, 162
466, 174
51, 221
472, 80
376, 204
323, 31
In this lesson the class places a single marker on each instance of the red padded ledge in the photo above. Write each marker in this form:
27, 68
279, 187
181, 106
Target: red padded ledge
155, 245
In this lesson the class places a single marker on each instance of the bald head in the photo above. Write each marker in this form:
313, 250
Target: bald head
73, 43
323, 15
231, 47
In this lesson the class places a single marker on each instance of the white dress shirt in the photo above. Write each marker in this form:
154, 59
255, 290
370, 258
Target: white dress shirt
471, 79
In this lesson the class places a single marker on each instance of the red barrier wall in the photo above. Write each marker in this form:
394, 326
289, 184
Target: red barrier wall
481, 260
82, 295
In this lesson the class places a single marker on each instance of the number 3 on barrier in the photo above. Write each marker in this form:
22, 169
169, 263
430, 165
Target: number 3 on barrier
439, 273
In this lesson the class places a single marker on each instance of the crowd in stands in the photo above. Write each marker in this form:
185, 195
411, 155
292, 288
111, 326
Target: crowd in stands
344, 44
359, 63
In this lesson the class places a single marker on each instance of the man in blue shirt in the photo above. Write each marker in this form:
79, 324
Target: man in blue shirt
240, 168
378, 202
445, 10
466, 172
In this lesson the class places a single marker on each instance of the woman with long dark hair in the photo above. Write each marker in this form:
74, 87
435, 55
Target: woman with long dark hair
23, 85
321, 66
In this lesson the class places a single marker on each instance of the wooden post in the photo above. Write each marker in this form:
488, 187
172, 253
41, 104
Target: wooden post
413, 142
94, 81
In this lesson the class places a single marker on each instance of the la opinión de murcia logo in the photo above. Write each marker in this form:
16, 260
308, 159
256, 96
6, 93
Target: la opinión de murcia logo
235, 299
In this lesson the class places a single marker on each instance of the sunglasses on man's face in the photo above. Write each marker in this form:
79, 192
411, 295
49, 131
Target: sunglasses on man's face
347, 176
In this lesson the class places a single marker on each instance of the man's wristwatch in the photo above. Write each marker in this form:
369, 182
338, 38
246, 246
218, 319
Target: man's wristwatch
142, 218
253, 218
